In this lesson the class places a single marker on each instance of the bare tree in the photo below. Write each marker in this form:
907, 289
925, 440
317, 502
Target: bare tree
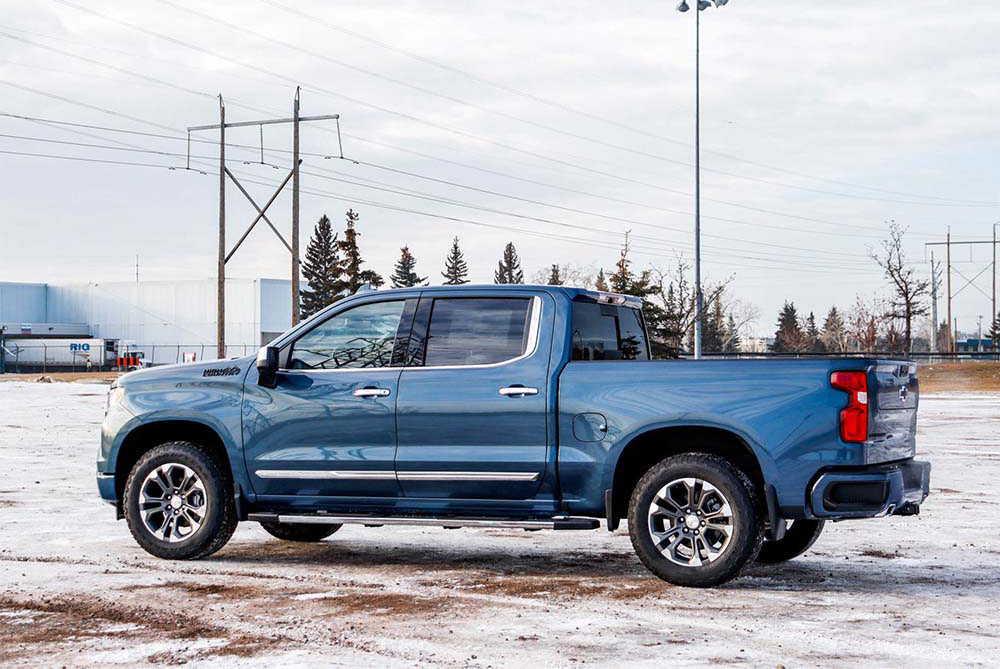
577, 276
671, 318
909, 290
862, 325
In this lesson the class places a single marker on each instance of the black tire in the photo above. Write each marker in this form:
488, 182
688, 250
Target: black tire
218, 514
299, 532
746, 528
799, 537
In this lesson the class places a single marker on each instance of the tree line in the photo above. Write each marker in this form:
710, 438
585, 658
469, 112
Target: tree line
334, 268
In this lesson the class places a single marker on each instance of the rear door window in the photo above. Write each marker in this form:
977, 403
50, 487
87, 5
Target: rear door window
608, 332
476, 331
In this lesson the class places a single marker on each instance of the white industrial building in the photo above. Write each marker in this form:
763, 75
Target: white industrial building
170, 321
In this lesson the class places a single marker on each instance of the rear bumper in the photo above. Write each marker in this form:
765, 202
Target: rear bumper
872, 491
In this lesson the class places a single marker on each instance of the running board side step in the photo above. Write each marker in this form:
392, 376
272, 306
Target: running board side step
559, 523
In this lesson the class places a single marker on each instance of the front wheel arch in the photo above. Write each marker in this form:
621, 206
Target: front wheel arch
148, 436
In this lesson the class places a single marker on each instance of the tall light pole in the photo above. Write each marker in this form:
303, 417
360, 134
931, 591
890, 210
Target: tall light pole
698, 296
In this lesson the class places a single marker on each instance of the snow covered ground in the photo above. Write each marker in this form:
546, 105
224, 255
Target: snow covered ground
75, 589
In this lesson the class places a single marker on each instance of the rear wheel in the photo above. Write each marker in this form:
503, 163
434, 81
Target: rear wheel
299, 532
694, 520
177, 504
799, 537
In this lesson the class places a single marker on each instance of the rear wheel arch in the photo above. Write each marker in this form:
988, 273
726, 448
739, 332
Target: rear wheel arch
147, 436
648, 448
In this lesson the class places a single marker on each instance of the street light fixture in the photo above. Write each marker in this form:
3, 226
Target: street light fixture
699, 300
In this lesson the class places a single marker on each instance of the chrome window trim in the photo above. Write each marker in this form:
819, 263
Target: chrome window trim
370, 474
534, 326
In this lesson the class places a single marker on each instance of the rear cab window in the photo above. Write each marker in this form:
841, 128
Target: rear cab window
607, 332
469, 331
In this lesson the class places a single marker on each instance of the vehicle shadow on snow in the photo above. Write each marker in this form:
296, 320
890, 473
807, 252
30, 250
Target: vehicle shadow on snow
429, 557
841, 573
857, 573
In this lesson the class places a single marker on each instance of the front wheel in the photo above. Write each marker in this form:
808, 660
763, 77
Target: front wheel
694, 520
176, 502
799, 537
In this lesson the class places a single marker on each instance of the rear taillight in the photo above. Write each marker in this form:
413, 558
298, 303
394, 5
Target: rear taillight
854, 417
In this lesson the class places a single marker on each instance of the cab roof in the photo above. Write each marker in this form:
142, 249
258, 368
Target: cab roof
570, 292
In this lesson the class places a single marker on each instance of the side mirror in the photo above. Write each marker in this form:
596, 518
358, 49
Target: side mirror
267, 366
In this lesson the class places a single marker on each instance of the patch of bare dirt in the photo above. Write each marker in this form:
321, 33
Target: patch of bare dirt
388, 604
959, 376
60, 619
216, 589
880, 554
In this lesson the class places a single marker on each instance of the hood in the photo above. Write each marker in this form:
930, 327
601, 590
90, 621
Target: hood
212, 369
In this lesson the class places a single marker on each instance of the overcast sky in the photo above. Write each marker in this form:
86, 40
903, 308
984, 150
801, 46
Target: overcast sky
820, 122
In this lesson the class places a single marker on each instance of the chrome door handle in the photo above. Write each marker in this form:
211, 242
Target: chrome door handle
518, 391
371, 392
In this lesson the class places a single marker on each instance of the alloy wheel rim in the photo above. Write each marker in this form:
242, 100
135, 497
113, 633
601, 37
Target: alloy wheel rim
172, 502
691, 522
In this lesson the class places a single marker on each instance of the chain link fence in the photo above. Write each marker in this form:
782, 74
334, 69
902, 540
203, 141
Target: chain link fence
56, 357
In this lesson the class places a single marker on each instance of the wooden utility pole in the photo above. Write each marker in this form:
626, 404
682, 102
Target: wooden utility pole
293, 176
994, 317
295, 209
935, 283
220, 308
951, 342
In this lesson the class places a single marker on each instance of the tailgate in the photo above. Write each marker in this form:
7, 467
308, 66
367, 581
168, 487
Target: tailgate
893, 420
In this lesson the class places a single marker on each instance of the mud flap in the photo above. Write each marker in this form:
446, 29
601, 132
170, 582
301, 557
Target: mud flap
609, 511
776, 525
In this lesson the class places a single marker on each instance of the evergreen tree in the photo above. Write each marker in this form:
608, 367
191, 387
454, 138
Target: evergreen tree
555, 279
456, 271
834, 335
994, 334
509, 267
812, 339
732, 340
354, 277
601, 282
627, 282
789, 336
322, 270
405, 275
713, 331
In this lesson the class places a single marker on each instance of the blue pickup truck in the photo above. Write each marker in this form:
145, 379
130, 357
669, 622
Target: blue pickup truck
533, 407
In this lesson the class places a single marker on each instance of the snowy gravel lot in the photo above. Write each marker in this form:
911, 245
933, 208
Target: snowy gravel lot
76, 590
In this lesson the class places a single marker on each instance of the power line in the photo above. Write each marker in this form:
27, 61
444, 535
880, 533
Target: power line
664, 245
411, 117
644, 250
542, 126
423, 195
591, 115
